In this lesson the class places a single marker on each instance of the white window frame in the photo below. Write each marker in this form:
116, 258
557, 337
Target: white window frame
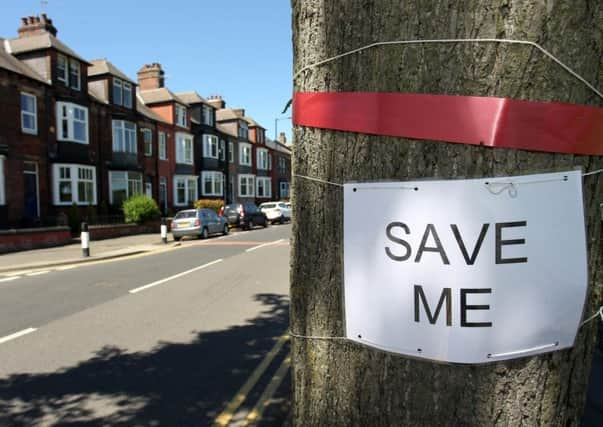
74, 65
262, 158
148, 189
210, 146
70, 117
162, 146
147, 145
64, 78
217, 183
222, 150
230, 152
243, 130
208, 115
120, 126
184, 155
127, 89
74, 180
163, 187
181, 119
128, 179
34, 114
2, 180
285, 186
190, 183
117, 85
250, 183
267, 187
244, 154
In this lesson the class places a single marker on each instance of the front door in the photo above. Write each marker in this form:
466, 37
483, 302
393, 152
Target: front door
31, 209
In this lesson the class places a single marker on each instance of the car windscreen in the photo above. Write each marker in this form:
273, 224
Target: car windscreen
185, 214
268, 206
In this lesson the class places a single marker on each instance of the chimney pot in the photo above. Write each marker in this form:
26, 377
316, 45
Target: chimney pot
33, 26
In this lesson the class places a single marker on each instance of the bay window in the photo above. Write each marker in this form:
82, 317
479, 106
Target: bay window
185, 189
210, 146
124, 137
213, 183
184, 149
244, 154
123, 185
72, 122
246, 187
74, 183
263, 187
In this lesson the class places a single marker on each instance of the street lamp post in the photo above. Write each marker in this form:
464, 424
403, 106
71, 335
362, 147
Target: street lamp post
276, 120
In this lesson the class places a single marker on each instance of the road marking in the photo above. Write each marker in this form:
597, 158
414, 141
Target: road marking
17, 335
67, 267
175, 276
37, 273
10, 279
264, 400
264, 245
224, 418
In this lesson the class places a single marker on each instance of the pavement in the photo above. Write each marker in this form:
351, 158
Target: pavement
72, 253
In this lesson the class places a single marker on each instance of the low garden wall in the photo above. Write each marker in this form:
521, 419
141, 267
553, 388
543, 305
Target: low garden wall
110, 231
32, 238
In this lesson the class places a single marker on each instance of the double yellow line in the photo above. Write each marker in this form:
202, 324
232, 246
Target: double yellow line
227, 415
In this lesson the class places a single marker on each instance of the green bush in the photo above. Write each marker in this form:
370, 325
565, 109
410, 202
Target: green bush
214, 204
140, 208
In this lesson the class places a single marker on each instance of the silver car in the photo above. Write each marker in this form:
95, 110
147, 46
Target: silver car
198, 222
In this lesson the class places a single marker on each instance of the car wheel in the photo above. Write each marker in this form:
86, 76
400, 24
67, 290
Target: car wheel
204, 233
250, 224
177, 238
225, 230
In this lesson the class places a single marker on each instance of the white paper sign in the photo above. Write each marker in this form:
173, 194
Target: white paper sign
465, 271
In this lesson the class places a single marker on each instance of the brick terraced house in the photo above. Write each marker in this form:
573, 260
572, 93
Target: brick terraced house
81, 135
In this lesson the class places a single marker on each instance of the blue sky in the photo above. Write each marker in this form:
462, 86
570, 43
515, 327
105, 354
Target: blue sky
239, 49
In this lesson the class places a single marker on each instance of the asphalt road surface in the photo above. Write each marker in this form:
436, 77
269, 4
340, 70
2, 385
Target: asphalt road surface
190, 336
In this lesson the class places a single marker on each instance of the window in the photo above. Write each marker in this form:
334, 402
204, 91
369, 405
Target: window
260, 134
213, 183
184, 149
124, 137
230, 152
208, 115
262, 158
123, 185
29, 116
74, 184
162, 146
246, 186
62, 68
263, 187
269, 161
222, 149
181, 116
122, 93
282, 165
210, 146
163, 193
243, 130
148, 189
74, 74
72, 122
284, 187
147, 137
185, 188
244, 154
2, 185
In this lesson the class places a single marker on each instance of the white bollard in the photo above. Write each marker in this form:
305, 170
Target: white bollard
85, 237
163, 231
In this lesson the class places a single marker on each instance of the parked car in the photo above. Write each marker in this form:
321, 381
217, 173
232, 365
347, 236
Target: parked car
276, 211
244, 215
198, 222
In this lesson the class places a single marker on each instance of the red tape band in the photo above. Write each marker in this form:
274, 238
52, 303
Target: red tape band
496, 122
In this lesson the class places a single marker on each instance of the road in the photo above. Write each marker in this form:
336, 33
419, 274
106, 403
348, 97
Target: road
190, 336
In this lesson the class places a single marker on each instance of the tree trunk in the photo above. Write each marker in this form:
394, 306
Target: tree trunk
340, 383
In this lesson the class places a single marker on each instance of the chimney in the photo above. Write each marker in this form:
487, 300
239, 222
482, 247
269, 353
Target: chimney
282, 138
216, 101
240, 112
34, 25
151, 76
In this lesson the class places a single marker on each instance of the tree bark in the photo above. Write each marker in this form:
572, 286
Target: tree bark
340, 383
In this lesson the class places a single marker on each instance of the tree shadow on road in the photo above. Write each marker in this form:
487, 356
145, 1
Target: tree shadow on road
174, 384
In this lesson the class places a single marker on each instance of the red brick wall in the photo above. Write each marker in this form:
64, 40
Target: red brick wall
100, 232
24, 239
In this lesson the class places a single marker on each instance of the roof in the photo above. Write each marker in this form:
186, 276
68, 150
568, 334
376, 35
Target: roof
40, 42
224, 114
147, 112
191, 98
102, 66
276, 145
10, 63
98, 94
155, 96
253, 123
226, 130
